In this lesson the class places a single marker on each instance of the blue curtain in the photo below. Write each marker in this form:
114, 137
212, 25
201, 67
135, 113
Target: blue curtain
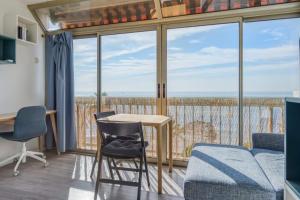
60, 88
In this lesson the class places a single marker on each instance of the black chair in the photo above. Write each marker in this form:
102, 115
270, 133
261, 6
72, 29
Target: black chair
30, 123
122, 149
109, 138
98, 116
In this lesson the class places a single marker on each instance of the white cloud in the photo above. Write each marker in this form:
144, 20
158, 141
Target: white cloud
174, 34
85, 61
203, 57
86, 81
272, 53
216, 69
207, 61
125, 51
195, 41
275, 34
174, 49
129, 67
211, 56
85, 53
125, 44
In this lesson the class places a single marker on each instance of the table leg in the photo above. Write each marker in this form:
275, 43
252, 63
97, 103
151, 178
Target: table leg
54, 128
170, 146
41, 143
159, 159
98, 146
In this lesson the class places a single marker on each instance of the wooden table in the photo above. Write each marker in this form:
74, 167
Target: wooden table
157, 121
9, 118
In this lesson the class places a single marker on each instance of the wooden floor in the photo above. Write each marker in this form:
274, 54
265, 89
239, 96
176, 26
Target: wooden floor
68, 178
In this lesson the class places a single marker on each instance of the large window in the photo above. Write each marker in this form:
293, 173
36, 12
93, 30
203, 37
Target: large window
203, 83
271, 72
200, 81
128, 76
85, 72
128, 66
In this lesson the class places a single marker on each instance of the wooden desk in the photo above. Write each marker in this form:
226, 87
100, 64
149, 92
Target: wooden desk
157, 121
9, 118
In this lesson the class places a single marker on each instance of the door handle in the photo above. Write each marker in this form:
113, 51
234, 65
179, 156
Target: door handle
158, 90
164, 90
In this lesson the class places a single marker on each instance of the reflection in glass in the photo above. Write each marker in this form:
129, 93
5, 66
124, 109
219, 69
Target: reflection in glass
172, 8
86, 13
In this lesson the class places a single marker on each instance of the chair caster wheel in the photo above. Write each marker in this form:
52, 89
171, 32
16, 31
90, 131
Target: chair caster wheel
16, 173
46, 164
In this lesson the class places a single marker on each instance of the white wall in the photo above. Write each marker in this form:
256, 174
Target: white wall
21, 84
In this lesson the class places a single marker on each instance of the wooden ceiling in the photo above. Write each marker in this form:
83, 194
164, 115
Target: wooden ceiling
98, 14
86, 13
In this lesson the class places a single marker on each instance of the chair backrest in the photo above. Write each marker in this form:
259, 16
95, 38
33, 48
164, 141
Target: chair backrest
122, 129
103, 114
30, 122
100, 115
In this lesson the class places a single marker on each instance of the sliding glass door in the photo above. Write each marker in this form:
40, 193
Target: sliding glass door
203, 85
129, 76
193, 73
271, 73
85, 73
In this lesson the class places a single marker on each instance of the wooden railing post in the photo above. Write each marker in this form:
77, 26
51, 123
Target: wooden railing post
202, 123
249, 121
77, 125
193, 122
271, 119
220, 125
230, 128
184, 127
91, 125
84, 127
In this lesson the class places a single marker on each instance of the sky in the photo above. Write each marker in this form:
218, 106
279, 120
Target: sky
201, 60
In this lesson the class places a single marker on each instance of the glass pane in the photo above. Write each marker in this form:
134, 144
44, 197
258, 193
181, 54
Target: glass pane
187, 7
128, 70
203, 77
85, 79
86, 13
271, 72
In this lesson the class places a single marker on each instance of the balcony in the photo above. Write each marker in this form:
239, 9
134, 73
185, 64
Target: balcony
208, 120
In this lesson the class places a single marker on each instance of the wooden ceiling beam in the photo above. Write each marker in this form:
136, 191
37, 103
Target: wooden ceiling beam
85, 6
158, 9
120, 12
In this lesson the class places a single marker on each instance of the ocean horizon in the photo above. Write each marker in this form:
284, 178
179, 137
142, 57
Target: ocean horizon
188, 94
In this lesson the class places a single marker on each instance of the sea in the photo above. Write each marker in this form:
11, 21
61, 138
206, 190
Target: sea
189, 94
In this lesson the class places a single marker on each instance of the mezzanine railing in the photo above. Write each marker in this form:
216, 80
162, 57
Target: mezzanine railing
210, 120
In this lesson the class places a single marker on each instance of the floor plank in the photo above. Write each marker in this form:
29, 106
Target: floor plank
68, 178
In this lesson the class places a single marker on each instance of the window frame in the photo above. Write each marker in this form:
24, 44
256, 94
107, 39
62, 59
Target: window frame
161, 26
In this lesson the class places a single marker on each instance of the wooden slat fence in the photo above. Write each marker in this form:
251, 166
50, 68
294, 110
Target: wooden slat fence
209, 120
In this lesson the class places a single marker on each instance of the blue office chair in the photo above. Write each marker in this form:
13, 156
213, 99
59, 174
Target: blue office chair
30, 123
